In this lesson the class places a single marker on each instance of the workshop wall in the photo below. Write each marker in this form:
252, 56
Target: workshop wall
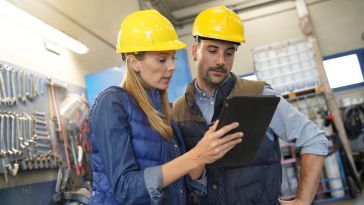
338, 26
24, 47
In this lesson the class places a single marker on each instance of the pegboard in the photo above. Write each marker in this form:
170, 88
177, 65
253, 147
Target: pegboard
37, 107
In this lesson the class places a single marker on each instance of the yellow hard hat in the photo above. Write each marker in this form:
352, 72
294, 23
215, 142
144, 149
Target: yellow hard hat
147, 30
219, 23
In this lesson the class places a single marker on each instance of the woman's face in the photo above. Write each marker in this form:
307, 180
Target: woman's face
156, 68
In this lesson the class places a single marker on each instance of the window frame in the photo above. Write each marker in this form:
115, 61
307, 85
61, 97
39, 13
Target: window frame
360, 54
248, 74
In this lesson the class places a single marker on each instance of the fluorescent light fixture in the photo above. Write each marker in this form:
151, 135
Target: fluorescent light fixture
53, 48
51, 34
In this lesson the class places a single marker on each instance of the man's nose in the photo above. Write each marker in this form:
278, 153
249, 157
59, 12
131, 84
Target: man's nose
220, 59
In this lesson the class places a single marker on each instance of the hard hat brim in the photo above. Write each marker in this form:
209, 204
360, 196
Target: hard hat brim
162, 46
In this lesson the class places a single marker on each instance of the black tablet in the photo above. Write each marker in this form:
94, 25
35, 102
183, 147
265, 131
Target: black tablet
254, 114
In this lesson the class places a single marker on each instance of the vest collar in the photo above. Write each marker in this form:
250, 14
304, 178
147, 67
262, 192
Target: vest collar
221, 93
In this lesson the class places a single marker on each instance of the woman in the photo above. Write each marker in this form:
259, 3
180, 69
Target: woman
137, 151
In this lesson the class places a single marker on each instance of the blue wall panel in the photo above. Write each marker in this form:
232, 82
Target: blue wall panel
99, 81
181, 77
33, 194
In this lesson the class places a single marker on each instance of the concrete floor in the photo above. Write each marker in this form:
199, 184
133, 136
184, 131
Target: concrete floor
359, 200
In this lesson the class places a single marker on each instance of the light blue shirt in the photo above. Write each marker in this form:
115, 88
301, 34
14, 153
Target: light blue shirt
287, 123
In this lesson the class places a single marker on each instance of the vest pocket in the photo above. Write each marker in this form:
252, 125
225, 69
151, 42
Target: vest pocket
252, 194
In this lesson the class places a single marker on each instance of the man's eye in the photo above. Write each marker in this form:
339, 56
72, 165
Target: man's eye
212, 51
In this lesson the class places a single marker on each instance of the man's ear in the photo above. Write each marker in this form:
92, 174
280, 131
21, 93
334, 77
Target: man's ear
194, 51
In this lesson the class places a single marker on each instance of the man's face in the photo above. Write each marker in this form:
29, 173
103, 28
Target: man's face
214, 60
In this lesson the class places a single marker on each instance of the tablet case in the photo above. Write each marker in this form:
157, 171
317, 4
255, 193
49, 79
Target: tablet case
254, 114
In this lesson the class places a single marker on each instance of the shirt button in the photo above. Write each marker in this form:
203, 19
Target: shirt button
175, 145
181, 191
214, 186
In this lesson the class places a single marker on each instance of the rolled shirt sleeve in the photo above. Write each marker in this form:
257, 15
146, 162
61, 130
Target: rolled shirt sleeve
112, 137
289, 124
153, 178
199, 185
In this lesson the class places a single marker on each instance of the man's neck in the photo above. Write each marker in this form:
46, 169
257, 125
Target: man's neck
207, 89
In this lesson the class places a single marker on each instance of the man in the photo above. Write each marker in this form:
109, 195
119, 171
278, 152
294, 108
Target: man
218, 32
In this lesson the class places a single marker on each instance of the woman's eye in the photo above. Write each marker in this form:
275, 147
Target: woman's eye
162, 60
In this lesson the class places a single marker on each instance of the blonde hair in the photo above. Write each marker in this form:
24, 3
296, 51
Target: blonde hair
160, 122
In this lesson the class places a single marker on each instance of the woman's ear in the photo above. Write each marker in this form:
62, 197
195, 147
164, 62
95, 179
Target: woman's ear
134, 63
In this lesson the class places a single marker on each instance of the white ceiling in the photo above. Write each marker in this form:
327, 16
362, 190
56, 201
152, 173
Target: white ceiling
96, 22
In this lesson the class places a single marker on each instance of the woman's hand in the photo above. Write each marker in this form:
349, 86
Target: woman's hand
293, 202
214, 144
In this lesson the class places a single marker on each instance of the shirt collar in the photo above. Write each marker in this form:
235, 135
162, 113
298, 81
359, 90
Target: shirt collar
202, 93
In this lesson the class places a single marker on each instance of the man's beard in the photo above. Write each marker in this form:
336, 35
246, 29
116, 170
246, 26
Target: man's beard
208, 76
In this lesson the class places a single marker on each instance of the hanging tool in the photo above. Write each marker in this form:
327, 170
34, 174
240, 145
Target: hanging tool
2, 86
13, 87
3, 148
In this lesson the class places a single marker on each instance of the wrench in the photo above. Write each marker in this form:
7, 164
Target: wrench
5, 169
13, 134
42, 145
41, 132
2, 85
24, 87
2, 137
20, 129
17, 140
31, 96
24, 131
19, 81
41, 122
40, 114
8, 89
30, 128
35, 87
42, 128
14, 94
8, 140
27, 86
41, 86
